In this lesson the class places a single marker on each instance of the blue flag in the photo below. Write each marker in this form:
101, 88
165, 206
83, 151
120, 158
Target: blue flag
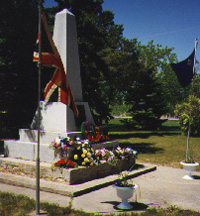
184, 70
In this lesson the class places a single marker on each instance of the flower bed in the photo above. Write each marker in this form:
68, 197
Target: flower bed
84, 153
84, 161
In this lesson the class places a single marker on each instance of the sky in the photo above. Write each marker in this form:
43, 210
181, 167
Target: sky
171, 23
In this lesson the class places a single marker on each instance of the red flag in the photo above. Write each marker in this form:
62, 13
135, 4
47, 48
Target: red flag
51, 58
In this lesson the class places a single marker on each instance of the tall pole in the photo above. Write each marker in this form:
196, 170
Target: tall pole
188, 135
39, 114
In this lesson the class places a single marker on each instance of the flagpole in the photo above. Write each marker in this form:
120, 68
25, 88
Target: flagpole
188, 136
39, 114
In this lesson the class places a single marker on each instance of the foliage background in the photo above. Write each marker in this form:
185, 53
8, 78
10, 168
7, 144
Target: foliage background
113, 69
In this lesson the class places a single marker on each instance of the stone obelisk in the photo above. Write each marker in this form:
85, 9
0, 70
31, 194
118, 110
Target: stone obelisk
56, 116
65, 39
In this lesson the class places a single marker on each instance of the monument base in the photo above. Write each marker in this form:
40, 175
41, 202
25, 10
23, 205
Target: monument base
56, 116
28, 150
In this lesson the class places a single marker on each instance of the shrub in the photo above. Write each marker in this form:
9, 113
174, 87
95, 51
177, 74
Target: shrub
189, 115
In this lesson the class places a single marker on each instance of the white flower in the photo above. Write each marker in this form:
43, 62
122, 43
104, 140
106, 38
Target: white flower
58, 140
86, 141
135, 152
111, 153
129, 149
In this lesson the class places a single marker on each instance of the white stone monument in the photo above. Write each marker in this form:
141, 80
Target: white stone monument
57, 116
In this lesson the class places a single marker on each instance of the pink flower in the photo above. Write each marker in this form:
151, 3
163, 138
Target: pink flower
57, 145
71, 142
54, 143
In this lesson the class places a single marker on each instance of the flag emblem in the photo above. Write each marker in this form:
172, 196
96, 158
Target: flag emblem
184, 70
50, 58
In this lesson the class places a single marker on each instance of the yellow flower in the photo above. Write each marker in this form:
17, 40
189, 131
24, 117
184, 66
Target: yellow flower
91, 159
83, 155
86, 160
84, 151
88, 154
83, 163
78, 148
75, 157
91, 164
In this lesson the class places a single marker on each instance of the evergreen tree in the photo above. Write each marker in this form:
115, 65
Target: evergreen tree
18, 30
146, 98
123, 65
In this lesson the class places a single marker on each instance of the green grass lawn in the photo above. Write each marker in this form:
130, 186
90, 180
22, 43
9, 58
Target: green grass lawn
166, 146
19, 205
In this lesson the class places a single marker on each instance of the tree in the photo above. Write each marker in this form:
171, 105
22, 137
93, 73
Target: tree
160, 58
146, 97
18, 30
123, 65
189, 115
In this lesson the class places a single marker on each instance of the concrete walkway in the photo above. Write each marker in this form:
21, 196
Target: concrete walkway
162, 187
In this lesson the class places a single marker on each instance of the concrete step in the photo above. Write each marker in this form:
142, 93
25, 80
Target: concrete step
61, 187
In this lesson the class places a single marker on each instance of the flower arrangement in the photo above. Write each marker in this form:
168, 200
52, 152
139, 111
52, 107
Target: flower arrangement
93, 133
64, 164
125, 153
190, 159
83, 154
123, 181
59, 146
114, 156
102, 155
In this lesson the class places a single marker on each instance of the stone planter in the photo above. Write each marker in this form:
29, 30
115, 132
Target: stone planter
189, 168
125, 193
57, 173
84, 174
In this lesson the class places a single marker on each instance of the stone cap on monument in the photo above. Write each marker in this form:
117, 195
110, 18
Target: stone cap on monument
66, 11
